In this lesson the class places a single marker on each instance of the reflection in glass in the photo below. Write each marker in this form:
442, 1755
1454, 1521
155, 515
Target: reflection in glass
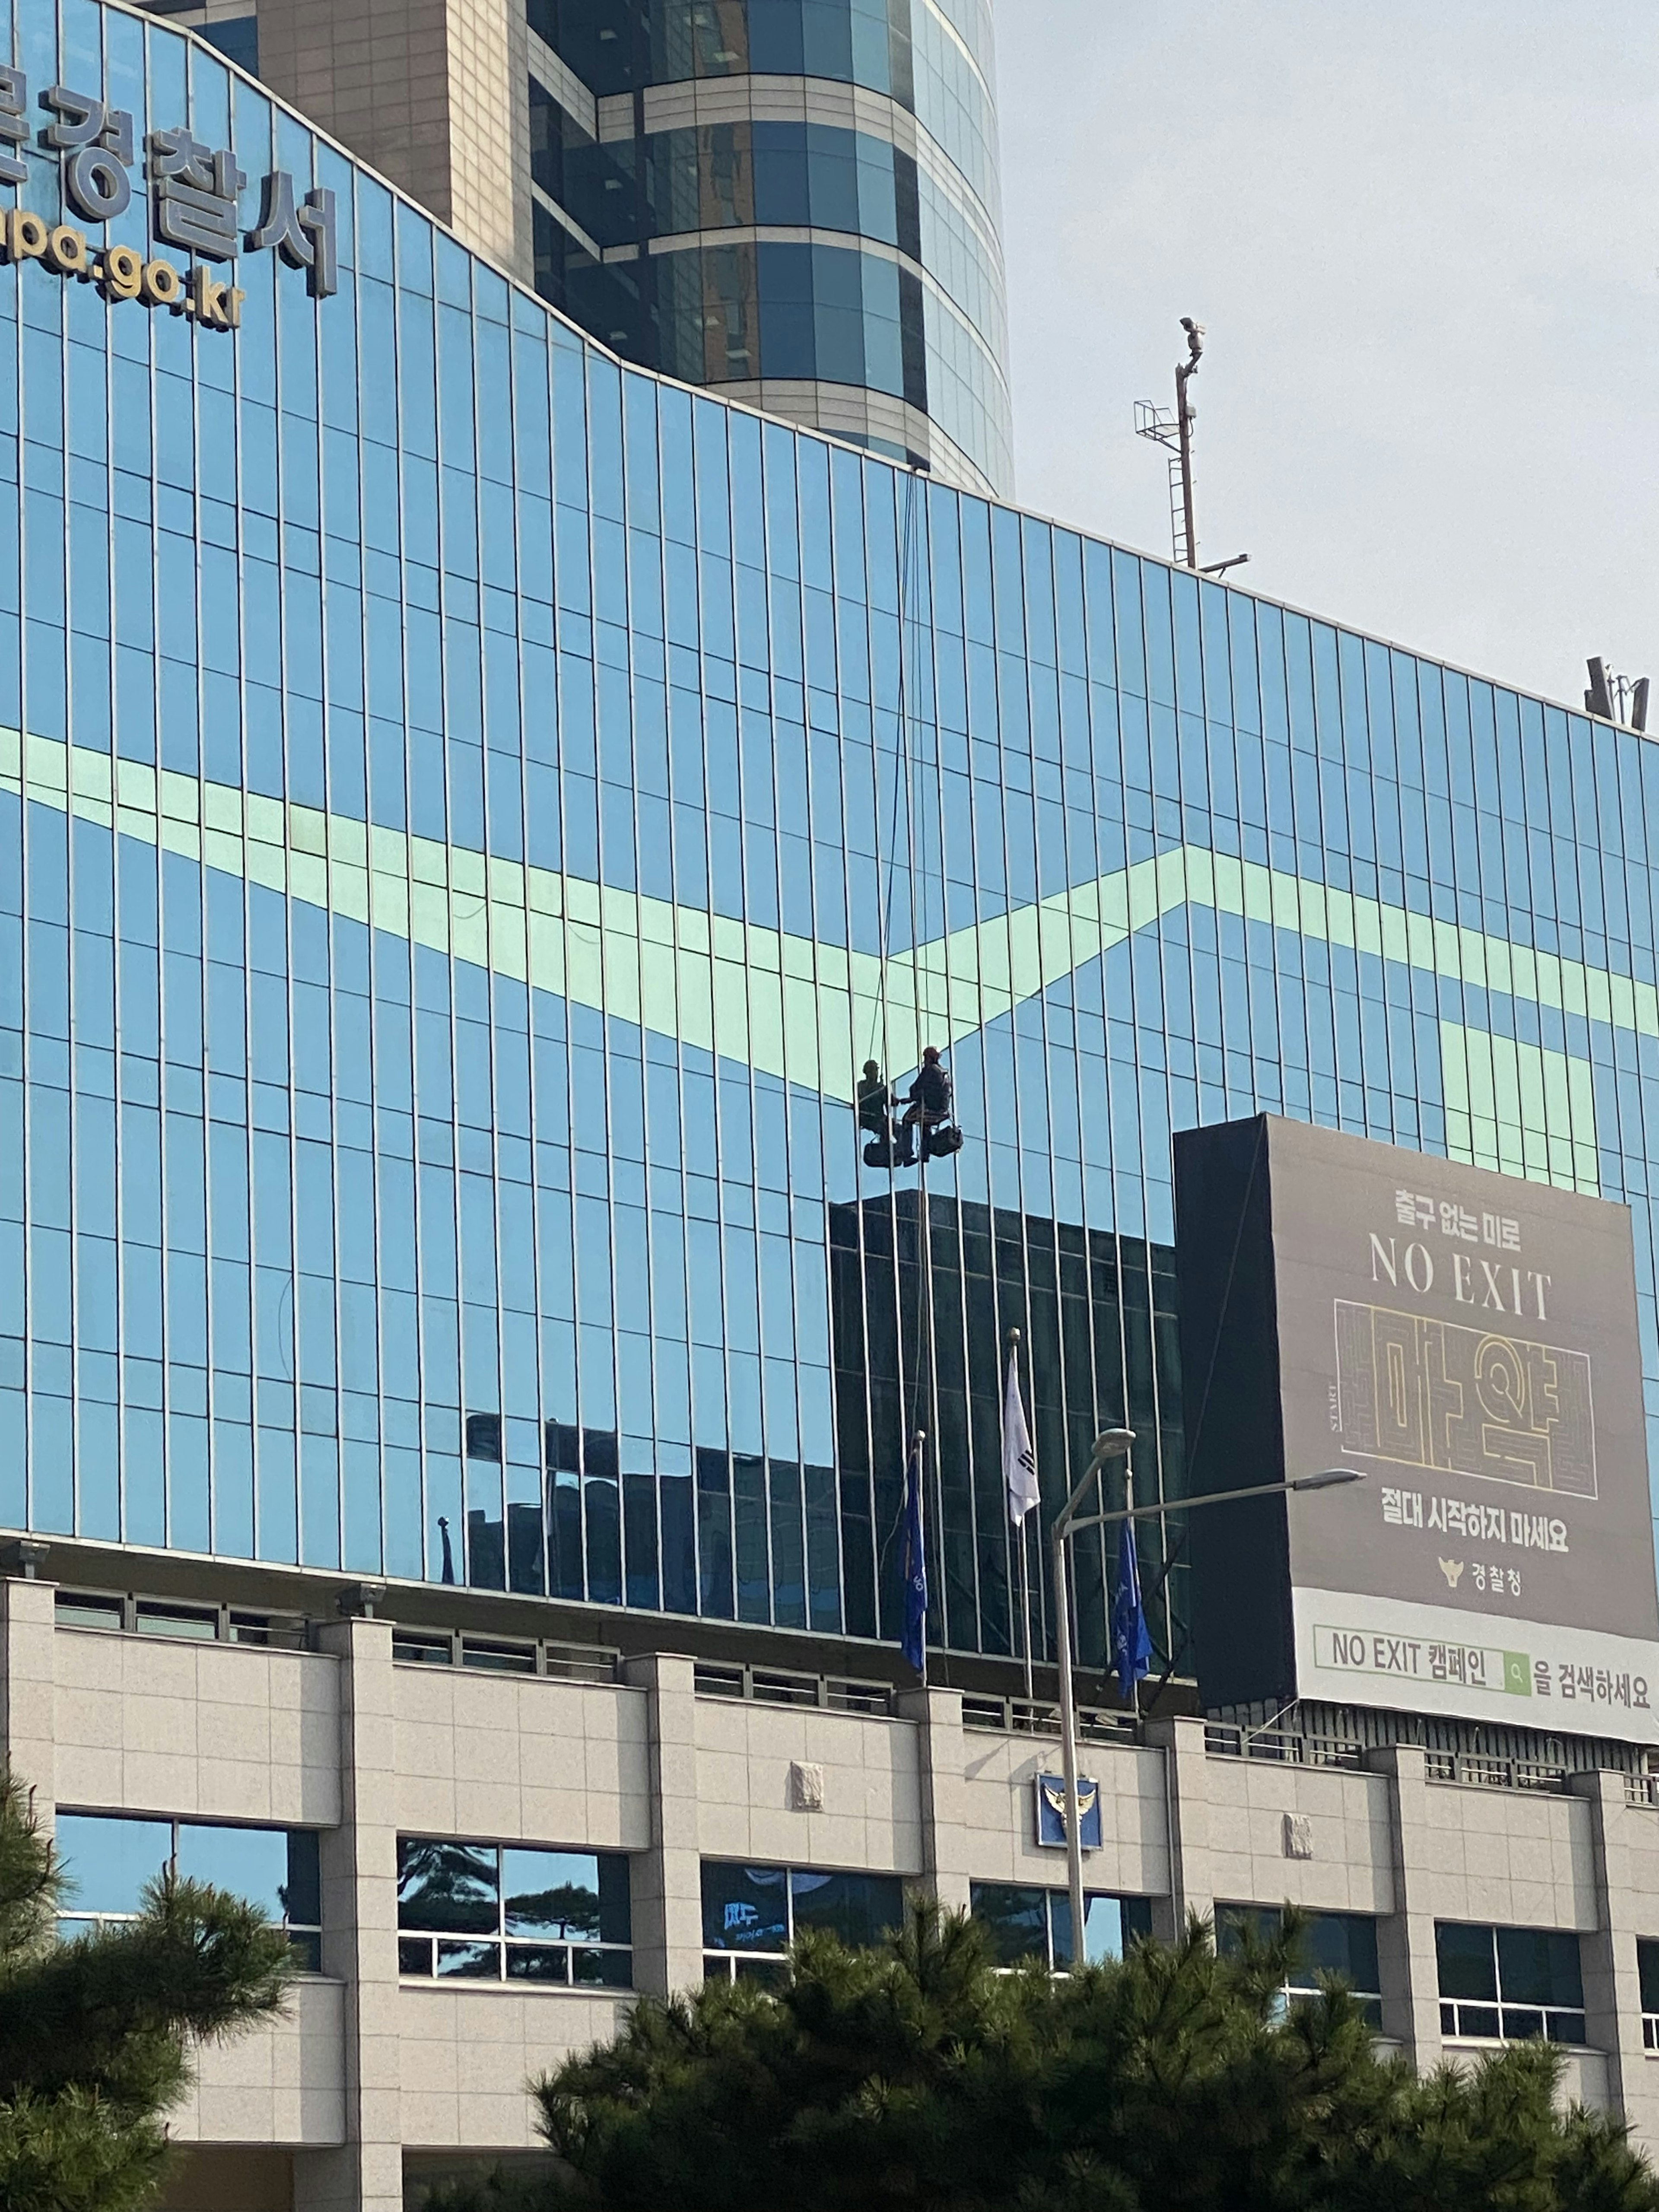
760, 1910
446, 1886
551, 1892
475, 1961
109, 1862
1541, 1967
1026, 1923
250, 1862
538, 1962
506, 1896
1016, 1920
609, 1970
745, 1908
1334, 1945
860, 1908
1110, 1924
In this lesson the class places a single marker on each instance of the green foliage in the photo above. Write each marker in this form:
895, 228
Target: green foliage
95, 2034
916, 2076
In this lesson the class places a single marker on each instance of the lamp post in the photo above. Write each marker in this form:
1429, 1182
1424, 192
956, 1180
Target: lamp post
1112, 1443
1117, 1443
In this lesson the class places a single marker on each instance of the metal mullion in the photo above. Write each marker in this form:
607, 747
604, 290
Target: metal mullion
645, 1088
333, 1071
254, 1532
489, 971
400, 456
749, 1074
1040, 1625
920, 623
279, 378
878, 1042
201, 959
328, 862
907, 1411
1034, 1616
543, 1473
565, 1042
799, 1455
1086, 1257
375, 1195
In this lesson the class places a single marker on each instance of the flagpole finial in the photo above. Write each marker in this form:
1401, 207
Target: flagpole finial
1013, 1338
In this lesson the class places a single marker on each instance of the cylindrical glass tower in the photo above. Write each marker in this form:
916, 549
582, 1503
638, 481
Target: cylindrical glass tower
795, 201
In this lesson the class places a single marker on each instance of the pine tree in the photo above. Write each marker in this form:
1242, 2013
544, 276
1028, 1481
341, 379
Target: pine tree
917, 2076
95, 2034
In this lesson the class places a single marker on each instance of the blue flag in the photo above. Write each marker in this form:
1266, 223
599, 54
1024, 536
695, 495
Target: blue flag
1131, 1647
913, 1641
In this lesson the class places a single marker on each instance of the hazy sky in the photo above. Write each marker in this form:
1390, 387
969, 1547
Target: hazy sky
1424, 237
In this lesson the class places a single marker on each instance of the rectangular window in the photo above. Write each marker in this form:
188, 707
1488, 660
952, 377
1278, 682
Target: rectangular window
1337, 1946
1647, 1965
109, 1859
751, 1915
1510, 1983
1027, 1922
502, 1913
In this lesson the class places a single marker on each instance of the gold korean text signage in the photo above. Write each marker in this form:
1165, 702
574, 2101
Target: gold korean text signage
194, 196
1468, 1342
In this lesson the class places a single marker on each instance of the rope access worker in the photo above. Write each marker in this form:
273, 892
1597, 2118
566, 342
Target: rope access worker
875, 1102
928, 1103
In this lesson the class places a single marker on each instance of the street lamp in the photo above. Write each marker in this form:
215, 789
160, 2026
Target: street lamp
1117, 1443
1112, 1443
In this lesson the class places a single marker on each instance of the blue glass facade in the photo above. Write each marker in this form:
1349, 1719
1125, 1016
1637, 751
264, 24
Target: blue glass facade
468, 809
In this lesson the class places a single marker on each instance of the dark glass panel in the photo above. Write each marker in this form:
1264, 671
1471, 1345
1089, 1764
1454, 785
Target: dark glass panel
1343, 1944
1539, 1966
538, 1962
745, 1908
1016, 1920
609, 1969
447, 1888
770, 1973
860, 1908
478, 1962
1468, 1960
302, 1893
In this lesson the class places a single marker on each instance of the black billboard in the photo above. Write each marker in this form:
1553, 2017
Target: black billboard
1467, 1342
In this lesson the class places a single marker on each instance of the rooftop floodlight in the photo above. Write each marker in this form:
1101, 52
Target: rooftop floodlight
1327, 1479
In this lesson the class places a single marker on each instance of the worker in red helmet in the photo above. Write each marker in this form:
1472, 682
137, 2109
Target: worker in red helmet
928, 1103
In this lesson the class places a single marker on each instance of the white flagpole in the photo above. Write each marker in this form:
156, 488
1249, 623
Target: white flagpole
1024, 1542
1025, 1607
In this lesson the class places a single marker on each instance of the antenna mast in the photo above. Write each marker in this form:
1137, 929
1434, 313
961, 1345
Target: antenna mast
1616, 698
1176, 431
1185, 372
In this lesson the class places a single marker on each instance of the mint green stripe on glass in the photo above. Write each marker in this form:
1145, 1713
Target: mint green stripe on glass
782, 1004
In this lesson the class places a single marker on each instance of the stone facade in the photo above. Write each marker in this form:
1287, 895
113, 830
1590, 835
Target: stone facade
369, 2081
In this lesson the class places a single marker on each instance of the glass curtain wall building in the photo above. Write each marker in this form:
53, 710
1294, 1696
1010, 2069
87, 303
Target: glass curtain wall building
795, 201
469, 809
